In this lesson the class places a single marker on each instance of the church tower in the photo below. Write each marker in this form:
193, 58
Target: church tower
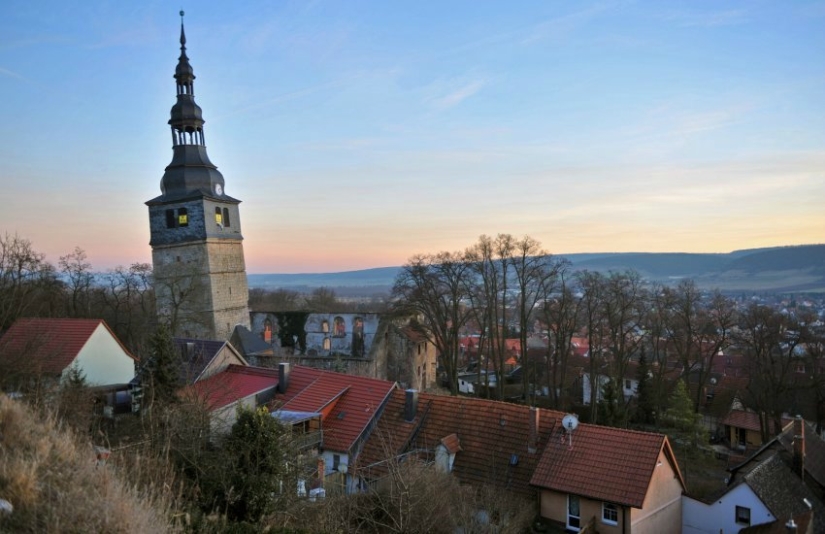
197, 247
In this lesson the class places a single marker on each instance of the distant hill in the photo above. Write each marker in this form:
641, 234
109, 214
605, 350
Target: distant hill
778, 269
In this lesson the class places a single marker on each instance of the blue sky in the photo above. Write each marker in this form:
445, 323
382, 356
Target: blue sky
360, 133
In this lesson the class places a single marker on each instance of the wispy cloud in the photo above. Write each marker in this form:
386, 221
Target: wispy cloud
709, 19
457, 95
12, 74
561, 27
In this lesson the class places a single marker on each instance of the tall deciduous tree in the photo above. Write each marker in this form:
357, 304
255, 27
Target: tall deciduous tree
769, 340
561, 315
77, 272
28, 284
433, 290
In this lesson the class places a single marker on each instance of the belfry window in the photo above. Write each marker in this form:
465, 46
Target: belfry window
226, 217
170, 219
218, 217
183, 217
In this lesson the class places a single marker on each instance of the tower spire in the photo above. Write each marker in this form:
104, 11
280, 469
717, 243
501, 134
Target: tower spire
190, 174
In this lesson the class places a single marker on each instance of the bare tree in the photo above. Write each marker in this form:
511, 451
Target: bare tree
490, 261
624, 298
561, 314
536, 276
769, 340
28, 285
77, 272
433, 289
129, 303
592, 308
697, 332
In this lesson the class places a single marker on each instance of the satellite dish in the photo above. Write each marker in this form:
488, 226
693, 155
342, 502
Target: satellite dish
570, 422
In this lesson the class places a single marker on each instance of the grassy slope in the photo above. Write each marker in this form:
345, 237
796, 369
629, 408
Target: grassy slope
54, 484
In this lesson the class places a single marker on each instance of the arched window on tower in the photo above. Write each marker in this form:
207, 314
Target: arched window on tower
226, 217
183, 217
327, 344
325, 326
218, 217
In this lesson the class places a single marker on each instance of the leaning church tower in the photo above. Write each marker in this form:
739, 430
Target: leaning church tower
197, 248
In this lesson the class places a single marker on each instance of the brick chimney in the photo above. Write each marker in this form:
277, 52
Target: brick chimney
799, 446
283, 377
321, 471
410, 405
533, 430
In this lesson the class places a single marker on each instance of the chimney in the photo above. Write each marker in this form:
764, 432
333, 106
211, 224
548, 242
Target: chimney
533, 430
283, 377
799, 446
321, 471
410, 405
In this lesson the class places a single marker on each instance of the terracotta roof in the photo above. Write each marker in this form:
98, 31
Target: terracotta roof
348, 403
747, 419
603, 463
50, 345
234, 383
742, 419
492, 435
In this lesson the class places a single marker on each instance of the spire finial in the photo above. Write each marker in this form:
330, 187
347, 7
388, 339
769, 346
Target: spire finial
182, 35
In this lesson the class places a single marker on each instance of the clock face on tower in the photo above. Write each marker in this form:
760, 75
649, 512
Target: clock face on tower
218, 189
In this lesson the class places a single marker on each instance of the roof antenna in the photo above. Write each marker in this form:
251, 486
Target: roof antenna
569, 422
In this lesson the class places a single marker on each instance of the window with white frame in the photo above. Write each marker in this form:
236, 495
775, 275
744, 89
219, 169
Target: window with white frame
610, 513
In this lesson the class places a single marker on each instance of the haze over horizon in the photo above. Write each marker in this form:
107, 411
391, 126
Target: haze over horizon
359, 134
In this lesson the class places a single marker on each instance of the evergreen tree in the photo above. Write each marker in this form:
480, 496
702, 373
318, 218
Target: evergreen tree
610, 411
160, 375
250, 476
680, 413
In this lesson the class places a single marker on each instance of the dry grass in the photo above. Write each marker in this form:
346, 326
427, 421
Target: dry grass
55, 485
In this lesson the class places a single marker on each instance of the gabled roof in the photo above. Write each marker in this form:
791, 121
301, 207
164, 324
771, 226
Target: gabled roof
50, 345
769, 475
248, 344
742, 419
747, 419
489, 438
196, 356
603, 463
236, 382
348, 403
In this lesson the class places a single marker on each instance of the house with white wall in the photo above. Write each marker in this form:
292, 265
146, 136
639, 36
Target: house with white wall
51, 348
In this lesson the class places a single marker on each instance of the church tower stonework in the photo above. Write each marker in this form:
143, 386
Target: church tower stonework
197, 248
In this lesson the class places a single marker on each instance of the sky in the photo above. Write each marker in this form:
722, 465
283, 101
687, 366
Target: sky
360, 133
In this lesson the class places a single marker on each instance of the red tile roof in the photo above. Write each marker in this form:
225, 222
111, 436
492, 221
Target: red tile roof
489, 434
49, 345
348, 403
604, 463
234, 383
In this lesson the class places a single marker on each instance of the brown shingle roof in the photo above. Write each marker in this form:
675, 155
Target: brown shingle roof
603, 463
493, 438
